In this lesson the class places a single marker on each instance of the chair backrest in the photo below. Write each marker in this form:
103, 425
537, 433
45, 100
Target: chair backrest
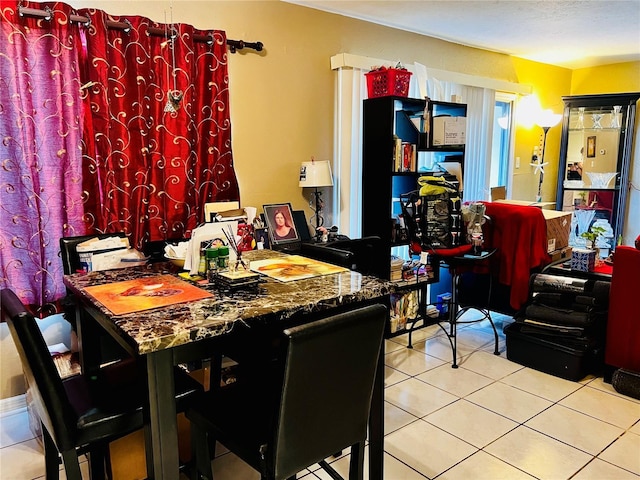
367, 252
328, 384
49, 396
360, 254
68, 245
623, 326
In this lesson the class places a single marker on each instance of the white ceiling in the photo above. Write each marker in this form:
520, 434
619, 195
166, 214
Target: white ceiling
571, 34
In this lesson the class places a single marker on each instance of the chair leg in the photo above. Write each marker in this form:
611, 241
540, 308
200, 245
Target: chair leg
453, 316
496, 351
356, 463
51, 456
201, 451
97, 460
71, 465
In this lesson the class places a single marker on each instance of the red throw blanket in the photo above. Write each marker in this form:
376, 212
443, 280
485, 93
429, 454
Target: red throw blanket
520, 235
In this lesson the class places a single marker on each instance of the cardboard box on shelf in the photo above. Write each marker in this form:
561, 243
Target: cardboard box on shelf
449, 130
558, 223
558, 227
561, 253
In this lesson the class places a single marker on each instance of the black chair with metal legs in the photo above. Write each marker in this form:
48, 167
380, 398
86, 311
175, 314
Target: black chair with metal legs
80, 414
311, 402
458, 258
459, 261
457, 266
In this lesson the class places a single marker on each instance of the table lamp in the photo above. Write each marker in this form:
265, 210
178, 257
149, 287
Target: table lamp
316, 174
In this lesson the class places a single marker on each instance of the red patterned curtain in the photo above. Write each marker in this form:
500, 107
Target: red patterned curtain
90, 141
158, 141
40, 150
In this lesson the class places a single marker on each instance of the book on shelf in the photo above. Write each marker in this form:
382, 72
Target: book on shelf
396, 268
414, 270
404, 156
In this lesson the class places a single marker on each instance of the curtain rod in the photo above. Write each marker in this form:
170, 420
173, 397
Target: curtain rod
125, 26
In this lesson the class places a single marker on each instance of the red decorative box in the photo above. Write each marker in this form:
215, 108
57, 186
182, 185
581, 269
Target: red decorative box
390, 81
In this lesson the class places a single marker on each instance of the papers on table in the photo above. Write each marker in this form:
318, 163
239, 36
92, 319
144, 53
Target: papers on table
104, 254
212, 209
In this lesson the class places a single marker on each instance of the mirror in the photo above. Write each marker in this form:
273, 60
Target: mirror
592, 149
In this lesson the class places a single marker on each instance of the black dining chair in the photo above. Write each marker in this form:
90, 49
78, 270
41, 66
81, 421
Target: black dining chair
80, 414
359, 254
313, 401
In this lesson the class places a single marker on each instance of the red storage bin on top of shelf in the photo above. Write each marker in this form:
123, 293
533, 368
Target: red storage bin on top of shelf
389, 81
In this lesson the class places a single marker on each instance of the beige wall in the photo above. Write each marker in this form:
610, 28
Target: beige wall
282, 99
549, 84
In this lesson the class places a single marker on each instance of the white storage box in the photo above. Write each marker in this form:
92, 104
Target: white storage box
449, 131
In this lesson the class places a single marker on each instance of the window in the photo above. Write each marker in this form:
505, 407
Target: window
501, 145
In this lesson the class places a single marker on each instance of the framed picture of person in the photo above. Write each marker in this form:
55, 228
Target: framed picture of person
279, 220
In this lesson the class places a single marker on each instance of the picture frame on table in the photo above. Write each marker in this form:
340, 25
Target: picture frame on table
262, 238
280, 223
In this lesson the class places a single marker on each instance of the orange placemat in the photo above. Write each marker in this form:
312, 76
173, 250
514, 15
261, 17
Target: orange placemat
131, 296
294, 267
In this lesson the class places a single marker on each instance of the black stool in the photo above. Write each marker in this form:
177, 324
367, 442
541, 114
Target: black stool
459, 263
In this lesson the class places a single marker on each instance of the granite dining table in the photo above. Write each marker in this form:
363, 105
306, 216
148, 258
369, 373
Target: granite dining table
194, 330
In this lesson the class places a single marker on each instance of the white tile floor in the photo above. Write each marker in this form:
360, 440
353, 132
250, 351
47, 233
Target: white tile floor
489, 419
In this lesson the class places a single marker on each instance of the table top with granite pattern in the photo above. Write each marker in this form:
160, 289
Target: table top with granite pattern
270, 301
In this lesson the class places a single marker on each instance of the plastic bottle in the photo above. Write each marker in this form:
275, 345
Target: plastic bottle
212, 264
202, 265
223, 258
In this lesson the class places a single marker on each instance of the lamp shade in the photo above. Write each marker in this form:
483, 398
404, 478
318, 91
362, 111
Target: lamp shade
315, 174
548, 119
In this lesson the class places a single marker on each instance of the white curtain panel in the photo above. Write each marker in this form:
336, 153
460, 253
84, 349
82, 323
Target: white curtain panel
480, 110
351, 90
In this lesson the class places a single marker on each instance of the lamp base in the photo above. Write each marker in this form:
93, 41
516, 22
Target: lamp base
319, 220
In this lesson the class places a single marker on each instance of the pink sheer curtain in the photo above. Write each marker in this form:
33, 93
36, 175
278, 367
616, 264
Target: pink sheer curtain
40, 150
91, 143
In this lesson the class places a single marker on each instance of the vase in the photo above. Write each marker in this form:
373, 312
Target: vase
583, 222
615, 116
580, 117
601, 179
597, 118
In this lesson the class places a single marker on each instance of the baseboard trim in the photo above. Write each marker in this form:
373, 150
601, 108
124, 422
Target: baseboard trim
12, 404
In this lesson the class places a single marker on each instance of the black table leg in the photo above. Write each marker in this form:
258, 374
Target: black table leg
161, 429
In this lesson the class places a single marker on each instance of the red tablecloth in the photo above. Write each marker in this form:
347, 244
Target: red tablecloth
603, 268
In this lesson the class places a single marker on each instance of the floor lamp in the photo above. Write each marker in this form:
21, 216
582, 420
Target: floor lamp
546, 120
316, 174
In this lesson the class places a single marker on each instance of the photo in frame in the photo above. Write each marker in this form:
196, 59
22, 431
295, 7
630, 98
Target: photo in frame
279, 221
591, 147
262, 238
